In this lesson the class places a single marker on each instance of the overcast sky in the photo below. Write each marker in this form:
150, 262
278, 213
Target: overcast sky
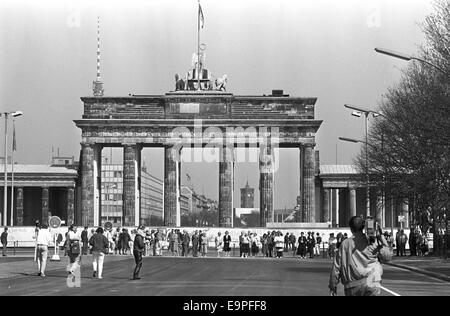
308, 48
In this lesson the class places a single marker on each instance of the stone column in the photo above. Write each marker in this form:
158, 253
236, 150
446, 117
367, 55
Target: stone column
131, 190
326, 205
44, 205
352, 192
266, 184
70, 206
19, 207
335, 221
87, 184
405, 212
309, 184
226, 180
171, 173
97, 178
301, 196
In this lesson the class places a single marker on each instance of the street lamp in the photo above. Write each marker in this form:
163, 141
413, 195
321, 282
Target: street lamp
407, 58
358, 112
5, 188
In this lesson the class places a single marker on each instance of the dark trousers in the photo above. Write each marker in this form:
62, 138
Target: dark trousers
185, 250
311, 251
4, 250
85, 247
138, 260
195, 250
270, 251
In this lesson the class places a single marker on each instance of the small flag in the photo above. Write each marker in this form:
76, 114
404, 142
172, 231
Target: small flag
14, 139
200, 14
188, 177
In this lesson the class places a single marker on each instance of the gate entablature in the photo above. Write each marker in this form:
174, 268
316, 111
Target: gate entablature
195, 104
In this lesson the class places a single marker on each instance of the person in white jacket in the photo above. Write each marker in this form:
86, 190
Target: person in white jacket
43, 241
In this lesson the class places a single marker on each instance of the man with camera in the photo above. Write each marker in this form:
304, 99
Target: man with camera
358, 260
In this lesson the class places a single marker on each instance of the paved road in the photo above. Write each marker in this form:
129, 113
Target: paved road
213, 276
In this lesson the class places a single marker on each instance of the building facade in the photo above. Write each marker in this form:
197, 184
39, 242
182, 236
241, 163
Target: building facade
151, 198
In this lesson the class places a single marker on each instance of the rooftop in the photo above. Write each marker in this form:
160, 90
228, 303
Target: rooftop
40, 169
338, 169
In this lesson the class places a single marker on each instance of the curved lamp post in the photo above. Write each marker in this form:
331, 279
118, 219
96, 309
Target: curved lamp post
407, 58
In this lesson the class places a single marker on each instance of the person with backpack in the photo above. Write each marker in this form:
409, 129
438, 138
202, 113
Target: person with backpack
74, 249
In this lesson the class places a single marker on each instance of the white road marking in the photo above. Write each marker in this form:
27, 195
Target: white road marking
389, 291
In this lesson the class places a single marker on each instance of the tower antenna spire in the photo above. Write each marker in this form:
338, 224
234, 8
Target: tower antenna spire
97, 85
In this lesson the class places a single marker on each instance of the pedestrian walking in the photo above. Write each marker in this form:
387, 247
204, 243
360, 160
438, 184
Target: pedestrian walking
279, 241
138, 249
318, 243
301, 249
4, 241
219, 243
85, 240
286, 242
292, 241
331, 246
100, 247
310, 244
254, 242
226, 243
115, 238
74, 249
195, 243
125, 241
43, 241
204, 245
403, 241
245, 246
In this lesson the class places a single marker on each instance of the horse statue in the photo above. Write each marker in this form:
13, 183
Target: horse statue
221, 83
179, 83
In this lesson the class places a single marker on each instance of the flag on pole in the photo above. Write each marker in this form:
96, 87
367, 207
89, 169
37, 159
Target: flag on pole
200, 14
14, 139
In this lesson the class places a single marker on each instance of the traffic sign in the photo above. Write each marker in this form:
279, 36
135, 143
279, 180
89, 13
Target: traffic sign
54, 222
108, 225
401, 218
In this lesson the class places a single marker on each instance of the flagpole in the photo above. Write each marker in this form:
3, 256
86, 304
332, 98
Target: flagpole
5, 188
12, 173
198, 45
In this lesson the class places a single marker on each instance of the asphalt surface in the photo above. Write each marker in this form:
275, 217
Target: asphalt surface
168, 276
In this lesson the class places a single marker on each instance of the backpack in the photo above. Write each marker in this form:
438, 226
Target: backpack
74, 248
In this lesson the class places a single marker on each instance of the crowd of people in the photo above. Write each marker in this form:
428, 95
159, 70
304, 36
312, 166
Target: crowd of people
175, 242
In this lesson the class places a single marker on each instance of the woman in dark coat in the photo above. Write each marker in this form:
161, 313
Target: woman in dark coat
125, 241
301, 249
226, 244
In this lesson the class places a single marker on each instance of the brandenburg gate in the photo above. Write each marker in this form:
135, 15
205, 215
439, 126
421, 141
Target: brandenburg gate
199, 118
